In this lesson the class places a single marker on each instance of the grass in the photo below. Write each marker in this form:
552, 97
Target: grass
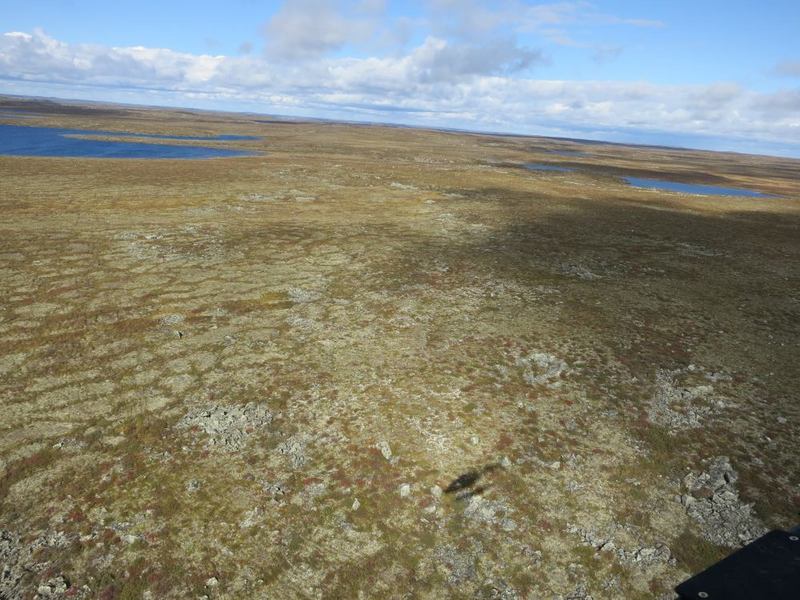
694, 553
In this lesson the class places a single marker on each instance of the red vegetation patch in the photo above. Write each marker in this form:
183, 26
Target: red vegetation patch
76, 515
504, 441
544, 525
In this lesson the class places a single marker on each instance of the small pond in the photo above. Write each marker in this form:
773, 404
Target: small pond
544, 167
692, 188
18, 140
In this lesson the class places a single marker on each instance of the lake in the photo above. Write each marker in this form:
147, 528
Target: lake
18, 140
692, 188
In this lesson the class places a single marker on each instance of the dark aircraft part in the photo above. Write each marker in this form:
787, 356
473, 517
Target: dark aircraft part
767, 568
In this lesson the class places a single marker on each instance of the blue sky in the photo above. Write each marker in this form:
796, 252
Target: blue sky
713, 74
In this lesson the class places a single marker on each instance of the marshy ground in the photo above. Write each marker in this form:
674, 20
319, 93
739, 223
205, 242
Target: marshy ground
389, 363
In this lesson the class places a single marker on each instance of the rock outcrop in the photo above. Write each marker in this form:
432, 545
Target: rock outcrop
712, 500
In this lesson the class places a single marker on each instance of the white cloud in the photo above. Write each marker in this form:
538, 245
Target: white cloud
439, 61
39, 57
784, 102
437, 83
309, 29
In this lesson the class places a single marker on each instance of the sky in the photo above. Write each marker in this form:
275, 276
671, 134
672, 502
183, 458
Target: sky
721, 75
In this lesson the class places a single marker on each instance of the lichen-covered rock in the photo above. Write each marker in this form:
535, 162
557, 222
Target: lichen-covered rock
227, 427
12, 572
492, 512
617, 541
53, 588
679, 407
580, 593
712, 500
385, 449
459, 566
19, 566
294, 449
540, 368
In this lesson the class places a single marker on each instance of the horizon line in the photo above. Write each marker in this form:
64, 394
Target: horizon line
304, 119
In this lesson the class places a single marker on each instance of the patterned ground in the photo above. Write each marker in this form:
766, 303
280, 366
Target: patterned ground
384, 363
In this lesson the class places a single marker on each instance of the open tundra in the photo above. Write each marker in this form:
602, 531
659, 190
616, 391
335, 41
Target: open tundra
372, 362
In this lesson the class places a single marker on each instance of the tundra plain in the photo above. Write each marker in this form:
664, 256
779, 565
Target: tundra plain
381, 362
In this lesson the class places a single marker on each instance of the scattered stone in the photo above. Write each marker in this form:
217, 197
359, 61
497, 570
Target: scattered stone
649, 556
405, 490
277, 489
227, 427
402, 322
69, 444
256, 197
192, 485
171, 320
314, 490
18, 563
303, 296
535, 556
460, 566
53, 588
715, 377
540, 368
713, 502
679, 407
212, 582
491, 512
579, 271
606, 541
252, 518
436, 491
294, 449
385, 449
580, 593
403, 186
498, 590
696, 250
356, 504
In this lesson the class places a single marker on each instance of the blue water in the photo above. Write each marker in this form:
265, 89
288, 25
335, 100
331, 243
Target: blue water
543, 167
17, 140
693, 188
